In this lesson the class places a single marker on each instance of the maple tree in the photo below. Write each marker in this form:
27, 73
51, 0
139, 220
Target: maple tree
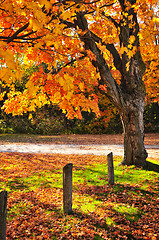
86, 45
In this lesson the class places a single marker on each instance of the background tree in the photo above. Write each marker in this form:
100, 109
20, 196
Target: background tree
86, 45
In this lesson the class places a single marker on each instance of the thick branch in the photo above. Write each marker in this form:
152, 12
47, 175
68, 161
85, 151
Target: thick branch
99, 63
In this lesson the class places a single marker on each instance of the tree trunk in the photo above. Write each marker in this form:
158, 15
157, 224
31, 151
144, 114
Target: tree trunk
133, 126
129, 95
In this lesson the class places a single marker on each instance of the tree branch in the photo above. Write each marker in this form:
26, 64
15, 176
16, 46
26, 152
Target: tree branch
111, 48
99, 62
10, 39
57, 70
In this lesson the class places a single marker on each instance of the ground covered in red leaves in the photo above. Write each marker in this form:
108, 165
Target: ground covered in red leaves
126, 210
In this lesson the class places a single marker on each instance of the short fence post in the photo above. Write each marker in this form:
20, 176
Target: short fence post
110, 168
67, 188
3, 214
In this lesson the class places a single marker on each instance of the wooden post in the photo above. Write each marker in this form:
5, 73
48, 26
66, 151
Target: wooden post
110, 168
67, 188
3, 214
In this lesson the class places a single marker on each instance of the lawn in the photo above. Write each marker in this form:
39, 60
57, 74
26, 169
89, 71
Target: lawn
126, 210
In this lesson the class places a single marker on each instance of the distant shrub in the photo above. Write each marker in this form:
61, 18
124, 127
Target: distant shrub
151, 117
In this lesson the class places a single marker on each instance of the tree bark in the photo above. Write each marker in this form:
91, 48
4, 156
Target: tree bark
133, 126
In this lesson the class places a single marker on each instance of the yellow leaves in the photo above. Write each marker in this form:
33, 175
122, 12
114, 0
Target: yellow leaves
101, 47
125, 14
48, 43
45, 3
127, 66
56, 45
91, 55
69, 95
156, 19
82, 33
56, 97
18, 74
135, 7
5, 74
37, 18
66, 81
123, 49
15, 104
132, 52
38, 45
61, 81
30, 116
8, 76
48, 37
19, 103
81, 86
66, 15
42, 98
69, 79
129, 50
9, 58
34, 24
31, 88
103, 87
131, 39
58, 28
2, 95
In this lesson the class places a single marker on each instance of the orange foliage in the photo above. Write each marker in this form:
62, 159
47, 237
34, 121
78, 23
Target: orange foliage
45, 32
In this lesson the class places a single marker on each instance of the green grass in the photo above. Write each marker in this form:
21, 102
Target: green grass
97, 175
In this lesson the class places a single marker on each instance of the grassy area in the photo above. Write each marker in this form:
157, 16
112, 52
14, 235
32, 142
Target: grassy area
127, 210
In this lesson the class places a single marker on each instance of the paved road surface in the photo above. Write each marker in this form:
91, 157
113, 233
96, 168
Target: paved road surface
117, 150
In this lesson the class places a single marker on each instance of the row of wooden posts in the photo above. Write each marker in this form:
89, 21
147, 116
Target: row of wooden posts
67, 193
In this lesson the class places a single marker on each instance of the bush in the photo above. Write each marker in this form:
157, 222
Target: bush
50, 121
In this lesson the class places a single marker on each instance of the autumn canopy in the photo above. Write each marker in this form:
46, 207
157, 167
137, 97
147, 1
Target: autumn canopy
81, 48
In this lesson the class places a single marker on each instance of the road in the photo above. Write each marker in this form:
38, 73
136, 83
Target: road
95, 149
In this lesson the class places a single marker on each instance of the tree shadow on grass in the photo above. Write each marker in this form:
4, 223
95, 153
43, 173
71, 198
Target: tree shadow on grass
152, 167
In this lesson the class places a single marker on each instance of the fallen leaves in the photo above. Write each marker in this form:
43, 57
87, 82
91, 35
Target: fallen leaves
127, 210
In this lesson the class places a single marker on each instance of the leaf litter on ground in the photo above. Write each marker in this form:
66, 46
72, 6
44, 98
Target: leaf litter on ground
126, 210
